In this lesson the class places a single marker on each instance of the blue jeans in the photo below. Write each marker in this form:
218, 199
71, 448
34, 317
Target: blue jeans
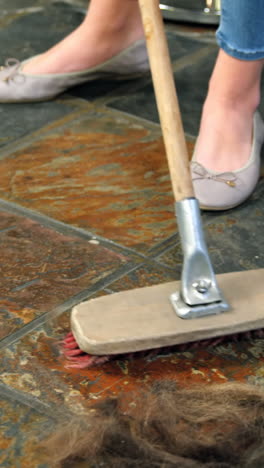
241, 31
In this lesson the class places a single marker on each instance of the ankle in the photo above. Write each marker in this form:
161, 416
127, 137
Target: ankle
232, 100
235, 84
225, 136
125, 21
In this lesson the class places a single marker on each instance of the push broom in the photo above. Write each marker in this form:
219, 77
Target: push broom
188, 311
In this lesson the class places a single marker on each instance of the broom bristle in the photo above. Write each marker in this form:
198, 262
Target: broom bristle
82, 360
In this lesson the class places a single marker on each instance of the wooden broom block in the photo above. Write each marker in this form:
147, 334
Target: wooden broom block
143, 318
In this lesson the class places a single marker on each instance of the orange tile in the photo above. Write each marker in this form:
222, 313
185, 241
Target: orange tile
105, 173
42, 268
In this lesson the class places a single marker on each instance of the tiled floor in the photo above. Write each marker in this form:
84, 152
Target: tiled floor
86, 209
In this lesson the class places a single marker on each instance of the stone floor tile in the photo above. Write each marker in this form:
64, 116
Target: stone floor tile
145, 275
106, 172
41, 269
13, 5
234, 238
191, 81
33, 33
19, 120
21, 429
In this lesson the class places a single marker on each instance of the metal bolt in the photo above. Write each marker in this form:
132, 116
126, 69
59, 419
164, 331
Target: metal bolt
202, 286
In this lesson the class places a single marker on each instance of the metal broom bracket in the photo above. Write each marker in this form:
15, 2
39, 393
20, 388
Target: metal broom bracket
199, 294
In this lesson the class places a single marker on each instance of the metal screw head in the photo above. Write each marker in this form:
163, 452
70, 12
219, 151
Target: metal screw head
202, 286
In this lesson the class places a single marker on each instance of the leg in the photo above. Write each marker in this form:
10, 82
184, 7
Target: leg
109, 27
224, 141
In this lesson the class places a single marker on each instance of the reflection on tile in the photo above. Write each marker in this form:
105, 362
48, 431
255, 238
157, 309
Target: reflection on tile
192, 83
41, 268
234, 238
21, 428
106, 173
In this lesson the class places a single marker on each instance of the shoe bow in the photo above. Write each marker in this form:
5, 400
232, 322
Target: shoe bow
11, 68
200, 172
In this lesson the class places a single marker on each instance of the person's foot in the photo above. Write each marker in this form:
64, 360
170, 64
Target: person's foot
226, 189
225, 165
17, 86
225, 138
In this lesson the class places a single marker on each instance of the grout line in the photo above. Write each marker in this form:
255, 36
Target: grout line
82, 296
189, 60
158, 249
167, 267
73, 115
28, 400
21, 11
67, 229
202, 37
108, 290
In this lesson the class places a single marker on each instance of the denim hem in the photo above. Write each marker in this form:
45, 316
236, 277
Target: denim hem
247, 55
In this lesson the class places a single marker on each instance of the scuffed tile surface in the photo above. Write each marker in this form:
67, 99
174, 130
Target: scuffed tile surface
191, 82
41, 268
106, 173
21, 428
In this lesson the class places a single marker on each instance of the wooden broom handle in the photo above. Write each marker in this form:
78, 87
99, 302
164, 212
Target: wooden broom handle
167, 101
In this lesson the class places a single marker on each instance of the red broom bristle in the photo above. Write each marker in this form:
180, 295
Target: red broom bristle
78, 358
81, 360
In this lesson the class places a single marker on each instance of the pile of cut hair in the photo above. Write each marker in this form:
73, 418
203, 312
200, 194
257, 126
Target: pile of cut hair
213, 426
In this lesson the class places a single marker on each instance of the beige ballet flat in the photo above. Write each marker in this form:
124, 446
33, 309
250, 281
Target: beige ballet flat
223, 191
17, 86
